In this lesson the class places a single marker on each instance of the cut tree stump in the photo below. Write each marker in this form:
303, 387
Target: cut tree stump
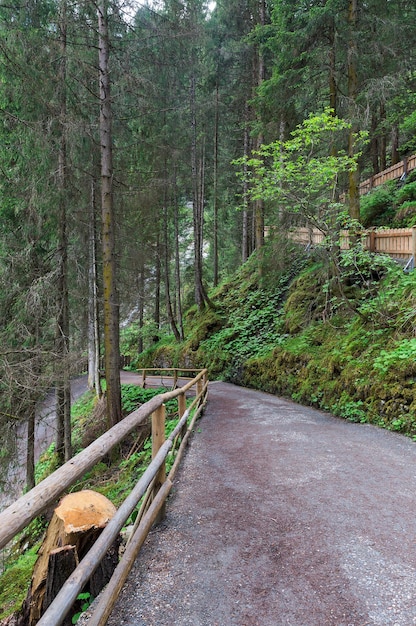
74, 527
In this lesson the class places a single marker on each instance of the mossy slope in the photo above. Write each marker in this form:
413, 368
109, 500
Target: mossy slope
345, 343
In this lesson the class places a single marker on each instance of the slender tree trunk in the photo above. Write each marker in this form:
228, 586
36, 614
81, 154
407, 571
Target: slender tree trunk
166, 255
177, 259
141, 282
110, 295
395, 156
333, 101
215, 191
201, 201
383, 141
30, 453
245, 233
374, 144
200, 296
93, 314
156, 314
352, 55
259, 203
63, 389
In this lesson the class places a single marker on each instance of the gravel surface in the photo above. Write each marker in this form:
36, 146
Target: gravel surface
281, 515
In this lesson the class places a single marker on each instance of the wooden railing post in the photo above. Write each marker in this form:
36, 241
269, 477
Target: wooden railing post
199, 387
181, 411
372, 244
144, 379
158, 439
413, 244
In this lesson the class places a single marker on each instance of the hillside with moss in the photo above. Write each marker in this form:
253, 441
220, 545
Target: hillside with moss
342, 339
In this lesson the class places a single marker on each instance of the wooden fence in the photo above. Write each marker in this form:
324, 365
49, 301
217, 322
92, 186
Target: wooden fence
166, 376
21, 513
391, 173
399, 243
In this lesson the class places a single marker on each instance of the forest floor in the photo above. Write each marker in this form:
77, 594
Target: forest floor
281, 515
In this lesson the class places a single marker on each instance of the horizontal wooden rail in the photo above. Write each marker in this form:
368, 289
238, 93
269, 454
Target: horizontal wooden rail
391, 173
110, 594
19, 514
172, 373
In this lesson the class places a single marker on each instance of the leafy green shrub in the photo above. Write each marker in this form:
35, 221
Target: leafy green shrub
406, 215
377, 207
406, 193
350, 409
85, 599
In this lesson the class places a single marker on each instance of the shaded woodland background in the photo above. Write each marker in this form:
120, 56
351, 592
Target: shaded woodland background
119, 201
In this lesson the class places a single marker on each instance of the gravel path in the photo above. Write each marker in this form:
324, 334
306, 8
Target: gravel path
281, 515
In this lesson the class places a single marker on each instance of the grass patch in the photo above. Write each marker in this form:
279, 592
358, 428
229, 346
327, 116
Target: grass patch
15, 580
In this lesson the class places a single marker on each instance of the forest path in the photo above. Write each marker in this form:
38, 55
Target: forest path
281, 515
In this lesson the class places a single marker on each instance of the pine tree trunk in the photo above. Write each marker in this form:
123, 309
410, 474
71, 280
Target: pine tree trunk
245, 233
30, 453
177, 259
374, 145
395, 156
383, 141
63, 389
141, 283
215, 191
156, 313
200, 296
352, 55
259, 203
169, 310
93, 315
110, 295
332, 67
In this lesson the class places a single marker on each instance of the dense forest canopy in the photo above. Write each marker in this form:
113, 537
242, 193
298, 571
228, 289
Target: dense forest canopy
121, 132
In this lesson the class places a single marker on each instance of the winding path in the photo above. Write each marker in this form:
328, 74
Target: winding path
281, 515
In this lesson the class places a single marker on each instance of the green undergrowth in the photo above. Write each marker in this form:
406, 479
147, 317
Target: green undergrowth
245, 320
334, 332
15, 580
356, 358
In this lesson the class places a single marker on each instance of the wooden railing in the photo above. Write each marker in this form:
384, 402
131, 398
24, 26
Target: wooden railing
399, 243
166, 376
391, 173
18, 515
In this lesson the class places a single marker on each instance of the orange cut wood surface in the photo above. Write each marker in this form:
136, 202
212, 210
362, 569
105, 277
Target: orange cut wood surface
83, 510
